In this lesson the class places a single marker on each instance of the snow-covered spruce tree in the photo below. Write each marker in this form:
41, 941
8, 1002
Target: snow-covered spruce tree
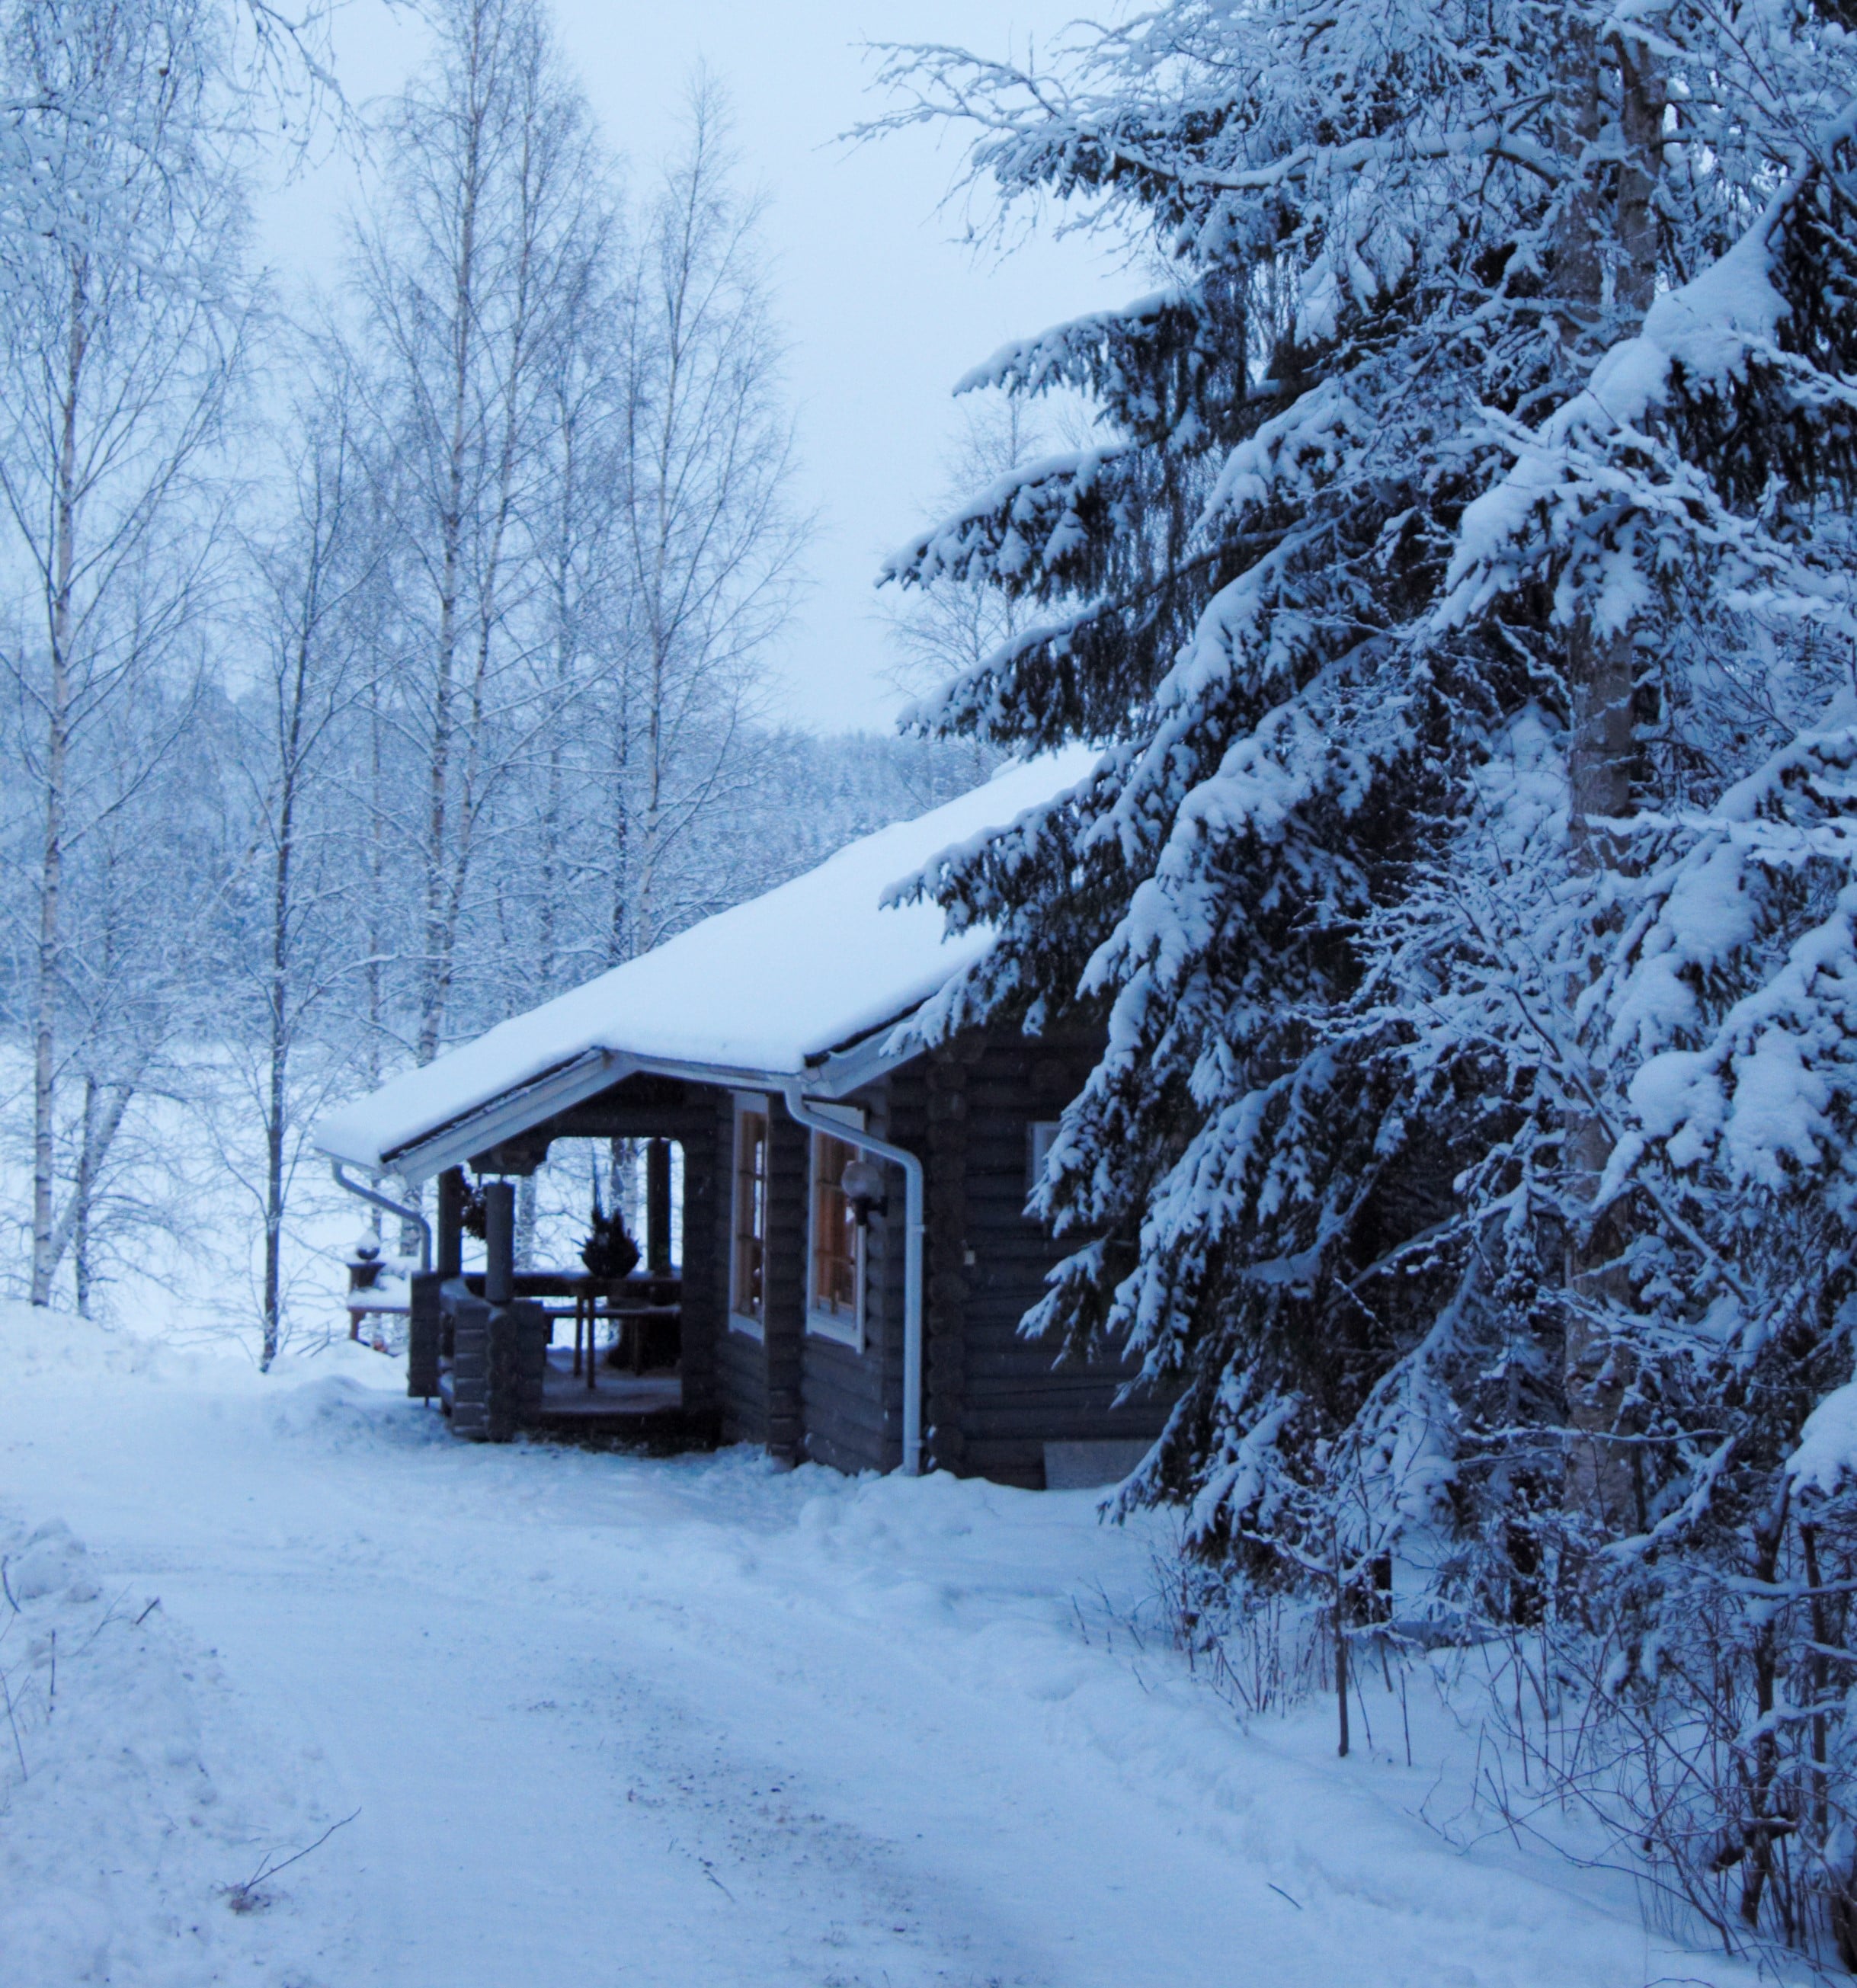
1460, 596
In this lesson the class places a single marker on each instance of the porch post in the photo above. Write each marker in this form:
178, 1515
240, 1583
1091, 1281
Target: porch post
499, 1242
450, 1223
514, 1334
425, 1327
657, 1206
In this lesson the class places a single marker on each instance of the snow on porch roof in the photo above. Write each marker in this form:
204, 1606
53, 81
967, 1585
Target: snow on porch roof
763, 990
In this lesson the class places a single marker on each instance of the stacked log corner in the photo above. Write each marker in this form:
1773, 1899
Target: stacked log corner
498, 1355
423, 1325
516, 1354
470, 1367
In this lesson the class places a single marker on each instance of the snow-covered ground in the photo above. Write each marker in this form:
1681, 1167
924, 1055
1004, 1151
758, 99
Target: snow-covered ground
578, 1719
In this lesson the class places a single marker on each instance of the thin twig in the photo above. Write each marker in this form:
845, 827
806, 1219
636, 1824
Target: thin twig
109, 1616
19, 1747
243, 1894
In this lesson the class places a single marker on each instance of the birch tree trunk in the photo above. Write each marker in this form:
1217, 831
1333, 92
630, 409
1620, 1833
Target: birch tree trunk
472, 111
311, 623
710, 540
278, 1016
57, 761
122, 323
481, 230
1607, 272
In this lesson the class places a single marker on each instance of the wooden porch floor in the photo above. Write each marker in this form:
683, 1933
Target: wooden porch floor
622, 1409
616, 1391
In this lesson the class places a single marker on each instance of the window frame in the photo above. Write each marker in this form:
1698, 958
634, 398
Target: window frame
748, 1104
833, 1325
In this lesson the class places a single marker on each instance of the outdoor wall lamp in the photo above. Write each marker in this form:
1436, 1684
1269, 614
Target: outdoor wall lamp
862, 1182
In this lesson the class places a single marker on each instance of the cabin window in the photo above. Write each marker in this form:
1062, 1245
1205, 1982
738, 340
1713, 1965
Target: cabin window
1040, 1138
748, 1266
835, 1277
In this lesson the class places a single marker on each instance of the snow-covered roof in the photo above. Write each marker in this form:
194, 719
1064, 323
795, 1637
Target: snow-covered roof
762, 990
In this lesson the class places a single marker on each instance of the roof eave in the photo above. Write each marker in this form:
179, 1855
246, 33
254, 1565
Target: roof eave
509, 1113
518, 1111
853, 1065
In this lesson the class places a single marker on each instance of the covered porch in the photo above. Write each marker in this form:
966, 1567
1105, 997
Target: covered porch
560, 1350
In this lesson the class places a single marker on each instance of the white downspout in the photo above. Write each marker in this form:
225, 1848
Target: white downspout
913, 1198
405, 1214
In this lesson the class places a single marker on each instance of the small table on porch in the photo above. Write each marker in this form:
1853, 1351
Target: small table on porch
633, 1303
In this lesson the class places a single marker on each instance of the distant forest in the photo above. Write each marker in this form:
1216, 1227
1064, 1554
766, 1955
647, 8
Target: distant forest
373, 664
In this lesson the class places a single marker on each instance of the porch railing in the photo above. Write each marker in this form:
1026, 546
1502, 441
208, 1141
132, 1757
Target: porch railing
488, 1363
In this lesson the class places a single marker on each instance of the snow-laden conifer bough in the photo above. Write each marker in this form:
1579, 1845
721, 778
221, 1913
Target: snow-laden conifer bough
1460, 595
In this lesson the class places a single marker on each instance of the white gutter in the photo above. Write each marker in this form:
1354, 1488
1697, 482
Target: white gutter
798, 1110
405, 1214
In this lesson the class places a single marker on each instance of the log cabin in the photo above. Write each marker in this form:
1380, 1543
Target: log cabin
844, 1277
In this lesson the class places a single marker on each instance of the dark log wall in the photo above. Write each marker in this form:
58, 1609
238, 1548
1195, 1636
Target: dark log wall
742, 1387
995, 1398
784, 1272
940, 1082
991, 1399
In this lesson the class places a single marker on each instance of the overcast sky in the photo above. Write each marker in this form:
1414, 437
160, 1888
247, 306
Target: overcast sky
884, 308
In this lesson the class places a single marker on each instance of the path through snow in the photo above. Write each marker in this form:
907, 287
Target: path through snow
607, 1721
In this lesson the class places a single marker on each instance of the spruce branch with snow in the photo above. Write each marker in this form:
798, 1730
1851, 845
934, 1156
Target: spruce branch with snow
1458, 592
